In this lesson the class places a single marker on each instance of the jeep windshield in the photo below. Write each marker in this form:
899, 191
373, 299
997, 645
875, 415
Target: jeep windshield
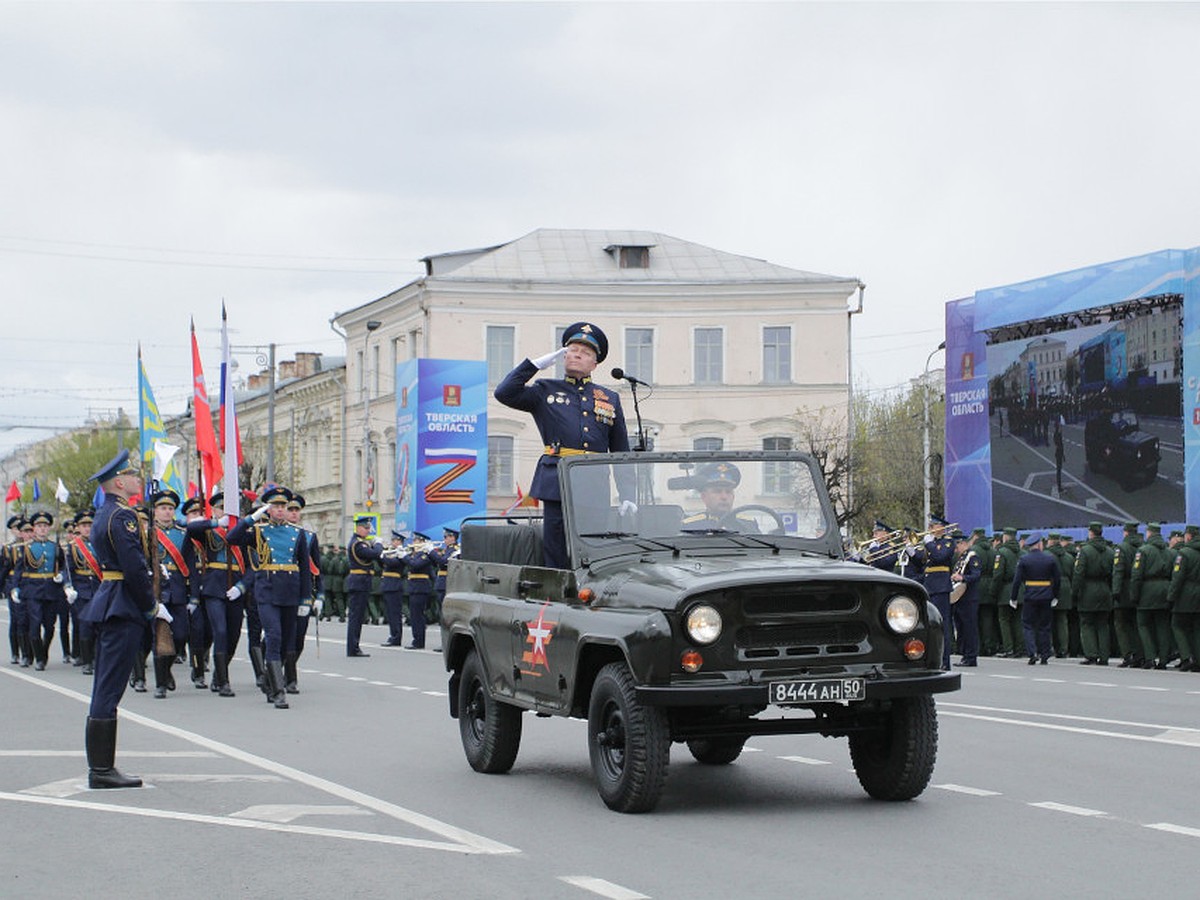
681, 501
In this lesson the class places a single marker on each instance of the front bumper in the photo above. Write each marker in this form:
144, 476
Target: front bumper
878, 688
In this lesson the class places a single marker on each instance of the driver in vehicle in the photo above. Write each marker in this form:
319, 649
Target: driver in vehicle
717, 483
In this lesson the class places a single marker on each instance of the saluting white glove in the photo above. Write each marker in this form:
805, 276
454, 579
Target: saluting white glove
163, 613
260, 512
57, 579
627, 508
71, 594
233, 593
545, 362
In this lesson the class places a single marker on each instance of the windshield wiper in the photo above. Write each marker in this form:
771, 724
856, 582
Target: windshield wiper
643, 543
706, 530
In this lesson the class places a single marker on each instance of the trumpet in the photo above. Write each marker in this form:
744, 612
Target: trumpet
422, 547
891, 543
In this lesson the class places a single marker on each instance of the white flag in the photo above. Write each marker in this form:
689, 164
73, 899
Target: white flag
163, 452
61, 493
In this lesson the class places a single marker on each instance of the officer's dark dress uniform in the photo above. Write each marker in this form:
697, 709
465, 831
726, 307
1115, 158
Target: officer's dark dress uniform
573, 415
41, 571
939, 557
420, 569
199, 632
119, 612
222, 568
282, 579
81, 557
177, 555
307, 606
1038, 572
18, 621
362, 555
882, 553
966, 611
447, 551
392, 590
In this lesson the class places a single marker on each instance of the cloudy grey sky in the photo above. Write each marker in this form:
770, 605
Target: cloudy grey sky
297, 159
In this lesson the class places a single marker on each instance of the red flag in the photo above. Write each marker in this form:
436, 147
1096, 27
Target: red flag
206, 438
14, 492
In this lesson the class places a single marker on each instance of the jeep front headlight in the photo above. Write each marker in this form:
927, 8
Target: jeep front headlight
902, 614
703, 624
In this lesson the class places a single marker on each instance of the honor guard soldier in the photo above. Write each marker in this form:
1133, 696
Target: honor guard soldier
420, 567
1038, 573
448, 551
119, 613
1149, 582
573, 415
716, 483
1066, 602
41, 573
222, 589
199, 634
176, 560
85, 580
1129, 642
983, 549
1184, 596
1004, 567
362, 554
311, 607
1092, 585
282, 580
968, 571
392, 589
18, 622
939, 557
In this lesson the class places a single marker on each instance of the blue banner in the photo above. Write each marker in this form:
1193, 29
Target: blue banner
967, 468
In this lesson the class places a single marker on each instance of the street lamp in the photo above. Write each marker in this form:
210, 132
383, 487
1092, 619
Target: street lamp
368, 487
925, 456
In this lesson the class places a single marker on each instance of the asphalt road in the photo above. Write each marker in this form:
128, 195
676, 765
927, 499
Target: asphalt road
1058, 781
1025, 491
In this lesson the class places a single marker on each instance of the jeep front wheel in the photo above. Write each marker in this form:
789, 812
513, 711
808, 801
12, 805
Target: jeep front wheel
895, 762
629, 744
490, 730
716, 751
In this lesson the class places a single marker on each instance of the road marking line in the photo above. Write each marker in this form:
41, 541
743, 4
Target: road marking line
1029, 712
289, 812
405, 687
602, 887
1009, 677
69, 787
963, 789
1142, 687
1096, 684
1072, 810
1175, 829
434, 693
1050, 680
356, 678
1149, 739
125, 754
332, 674
806, 760
381, 683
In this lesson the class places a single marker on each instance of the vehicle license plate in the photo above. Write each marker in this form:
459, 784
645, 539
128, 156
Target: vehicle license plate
821, 690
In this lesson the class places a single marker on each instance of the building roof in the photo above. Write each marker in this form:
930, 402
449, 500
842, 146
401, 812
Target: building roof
585, 255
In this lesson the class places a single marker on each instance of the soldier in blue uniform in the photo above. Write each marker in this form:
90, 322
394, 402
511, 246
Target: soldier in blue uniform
176, 560
311, 606
420, 567
939, 557
85, 580
199, 633
968, 571
41, 573
119, 612
447, 551
222, 588
881, 552
717, 483
392, 589
18, 622
573, 415
1038, 572
282, 580
362, 554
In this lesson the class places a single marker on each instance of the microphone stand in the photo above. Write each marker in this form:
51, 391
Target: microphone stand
637, 411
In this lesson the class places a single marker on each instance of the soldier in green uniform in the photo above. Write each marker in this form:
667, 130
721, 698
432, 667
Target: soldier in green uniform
1012, 637
1184, 597
1061, 628
343, 569
1129, 643
988, 628
1149, 582
1092, 586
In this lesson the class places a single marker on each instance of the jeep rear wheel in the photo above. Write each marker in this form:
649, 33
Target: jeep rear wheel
716, 751
629, 744
896, 761
490, 730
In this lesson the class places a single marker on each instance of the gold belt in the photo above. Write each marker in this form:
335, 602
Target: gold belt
37, 574
551, 450
391, 574
111, 575
279, 567
426, 577
216, 565
360, 572
1037, 584
942, 569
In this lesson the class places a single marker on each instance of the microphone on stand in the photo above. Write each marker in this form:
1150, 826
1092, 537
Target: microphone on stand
620, 374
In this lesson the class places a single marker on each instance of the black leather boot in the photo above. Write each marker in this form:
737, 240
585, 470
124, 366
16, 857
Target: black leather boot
138, 678
87, 652
162, 669
221, 675
289, 674
198, 672
100, 739
38, 650
274, 677
260, 674
26, 651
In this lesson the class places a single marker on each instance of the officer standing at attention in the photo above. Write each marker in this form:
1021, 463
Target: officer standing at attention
392, 589
198, 631
1037, 571
361, 553
123, 605
573, 415
420, 568
1148, 587
1092, 585
18, 619
969, 571
282, 580
85, 580
1184, 596
40, 568
981, 546
1061, 628
1004, 567
939, 556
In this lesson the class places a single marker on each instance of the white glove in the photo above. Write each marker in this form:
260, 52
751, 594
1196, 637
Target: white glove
192, 607
57, 579
545, 362
317, 606
303, 610
163, 613
71, 593
1054, 603
15, 593
627, 508
163, 570
1012, 603
233, 593
260, 512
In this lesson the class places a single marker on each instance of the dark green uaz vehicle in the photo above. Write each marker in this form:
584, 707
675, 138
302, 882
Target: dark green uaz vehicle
720, 609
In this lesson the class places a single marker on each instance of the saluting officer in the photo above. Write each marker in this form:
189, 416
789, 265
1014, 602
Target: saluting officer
119, 612
40, 575
1037, 571
1184, 595
85, 580
420, 567
573, 415
221, 591
1148, 586
1092, 585
939, 557
361, 553
282, 580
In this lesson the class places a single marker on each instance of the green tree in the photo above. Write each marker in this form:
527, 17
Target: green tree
74, 458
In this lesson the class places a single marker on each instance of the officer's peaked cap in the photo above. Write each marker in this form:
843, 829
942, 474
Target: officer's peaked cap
165, 498
113, 467
589, 334
719, 473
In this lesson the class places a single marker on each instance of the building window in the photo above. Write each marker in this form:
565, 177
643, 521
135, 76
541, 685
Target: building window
362, 374
777, 474
708, 443
708, 365
500, 464
501, 341
414, 343
375, 371
777, 354
639, 353
630, 256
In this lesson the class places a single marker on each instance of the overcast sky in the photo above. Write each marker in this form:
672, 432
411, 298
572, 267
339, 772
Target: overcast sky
297, 159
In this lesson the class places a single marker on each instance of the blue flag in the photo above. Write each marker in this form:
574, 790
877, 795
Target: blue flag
98, 498
151, 430
37, 491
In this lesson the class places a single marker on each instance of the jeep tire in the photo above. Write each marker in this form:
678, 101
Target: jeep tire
629, 743
490, 730
896, 761
716, 751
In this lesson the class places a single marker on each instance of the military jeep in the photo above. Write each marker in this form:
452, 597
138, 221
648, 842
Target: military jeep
1115, 444
694, 619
